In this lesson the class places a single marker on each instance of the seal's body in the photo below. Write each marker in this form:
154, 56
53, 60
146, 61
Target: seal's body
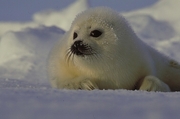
101, 51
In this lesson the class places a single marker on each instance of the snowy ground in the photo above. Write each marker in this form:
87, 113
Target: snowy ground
24, 89
22, 100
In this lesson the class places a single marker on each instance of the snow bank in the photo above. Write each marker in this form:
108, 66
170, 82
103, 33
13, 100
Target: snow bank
158, 26
14, 26
23, 54
61, 18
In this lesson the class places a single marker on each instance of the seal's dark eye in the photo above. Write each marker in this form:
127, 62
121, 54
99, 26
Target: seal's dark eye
75, 35
95, 33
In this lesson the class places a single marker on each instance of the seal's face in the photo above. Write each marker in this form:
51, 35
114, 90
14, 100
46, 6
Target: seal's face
95, 37
80, 48
89, 37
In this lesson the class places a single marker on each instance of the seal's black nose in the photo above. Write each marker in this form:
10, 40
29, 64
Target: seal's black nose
78, 43
78, 48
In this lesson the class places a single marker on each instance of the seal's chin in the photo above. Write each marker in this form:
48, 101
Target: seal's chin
81, 49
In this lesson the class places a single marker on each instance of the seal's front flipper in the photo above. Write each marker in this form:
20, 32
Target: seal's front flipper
151, 83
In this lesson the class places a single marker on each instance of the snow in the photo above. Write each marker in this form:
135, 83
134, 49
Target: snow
25, 92
61, 18
23, 54
23, 100
158, 26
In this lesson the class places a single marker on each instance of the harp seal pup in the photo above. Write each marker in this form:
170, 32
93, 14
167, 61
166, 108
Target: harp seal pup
101, 51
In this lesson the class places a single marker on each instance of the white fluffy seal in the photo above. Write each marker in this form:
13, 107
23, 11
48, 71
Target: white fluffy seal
101, 51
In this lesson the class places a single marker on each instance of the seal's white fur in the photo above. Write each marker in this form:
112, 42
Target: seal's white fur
119, 59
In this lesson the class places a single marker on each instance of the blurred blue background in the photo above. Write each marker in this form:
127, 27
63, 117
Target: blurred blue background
22, 10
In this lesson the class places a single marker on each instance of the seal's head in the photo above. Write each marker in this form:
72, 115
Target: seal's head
96, 35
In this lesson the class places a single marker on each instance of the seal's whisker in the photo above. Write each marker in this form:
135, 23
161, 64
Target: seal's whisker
72, 57
68, 55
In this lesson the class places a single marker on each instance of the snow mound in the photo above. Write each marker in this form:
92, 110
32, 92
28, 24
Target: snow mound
62, 18
23, 54
15, 26
149, 28
158, 26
